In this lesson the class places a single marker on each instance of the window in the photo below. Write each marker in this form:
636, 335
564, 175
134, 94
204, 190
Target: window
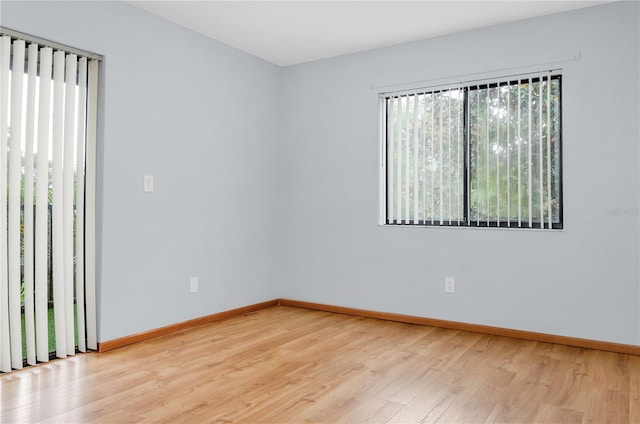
48, 118
484, 154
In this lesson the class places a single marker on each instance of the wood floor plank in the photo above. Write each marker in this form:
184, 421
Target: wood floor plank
429, 405
290, 365
474, 406
554, 414
634, 389
370, 410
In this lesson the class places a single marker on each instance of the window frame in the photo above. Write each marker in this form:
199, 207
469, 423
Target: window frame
466, 222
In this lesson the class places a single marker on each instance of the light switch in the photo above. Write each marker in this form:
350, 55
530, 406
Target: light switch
148, 183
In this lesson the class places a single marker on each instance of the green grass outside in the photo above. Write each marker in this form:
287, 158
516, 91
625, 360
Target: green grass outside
52, 332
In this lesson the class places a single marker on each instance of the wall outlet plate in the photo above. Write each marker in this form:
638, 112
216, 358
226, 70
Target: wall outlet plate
449, 284
193, 285
148, 183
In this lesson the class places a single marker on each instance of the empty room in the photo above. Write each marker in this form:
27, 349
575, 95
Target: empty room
319, 211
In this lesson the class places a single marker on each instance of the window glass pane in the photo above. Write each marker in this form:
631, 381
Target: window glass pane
514, 162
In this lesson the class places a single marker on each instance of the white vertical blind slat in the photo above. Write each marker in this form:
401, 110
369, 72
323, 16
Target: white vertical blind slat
548, 135
468, 152
440, 160
79, 190
42, 206
57, 204
416, 188
509, 155
70, 126
460, 151
519, 159
15, 180
478, 141
5, 342
449, 141
540, 159
498, 146
407, 147
424, 157
529, 151
90, 205
487, 154
399, 165
390, 162
433, 133
29, 312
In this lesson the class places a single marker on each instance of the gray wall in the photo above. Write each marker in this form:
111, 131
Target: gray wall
580, 282
287, 206
205, 128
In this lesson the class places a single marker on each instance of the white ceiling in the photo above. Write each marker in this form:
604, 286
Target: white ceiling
292, 32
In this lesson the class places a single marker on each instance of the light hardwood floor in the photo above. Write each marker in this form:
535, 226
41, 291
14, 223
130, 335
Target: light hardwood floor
290, 365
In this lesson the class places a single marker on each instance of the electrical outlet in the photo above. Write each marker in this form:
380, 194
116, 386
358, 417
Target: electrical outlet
193, 285
449, 284
148, 183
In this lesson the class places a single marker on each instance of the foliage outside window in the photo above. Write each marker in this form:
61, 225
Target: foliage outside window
479, 155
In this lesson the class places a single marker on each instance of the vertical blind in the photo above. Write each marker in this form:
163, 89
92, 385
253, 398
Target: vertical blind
48, 117
514, 153
483, 154
424, 149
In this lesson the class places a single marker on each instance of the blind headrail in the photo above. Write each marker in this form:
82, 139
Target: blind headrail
48, 43
473, 78
501, 80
